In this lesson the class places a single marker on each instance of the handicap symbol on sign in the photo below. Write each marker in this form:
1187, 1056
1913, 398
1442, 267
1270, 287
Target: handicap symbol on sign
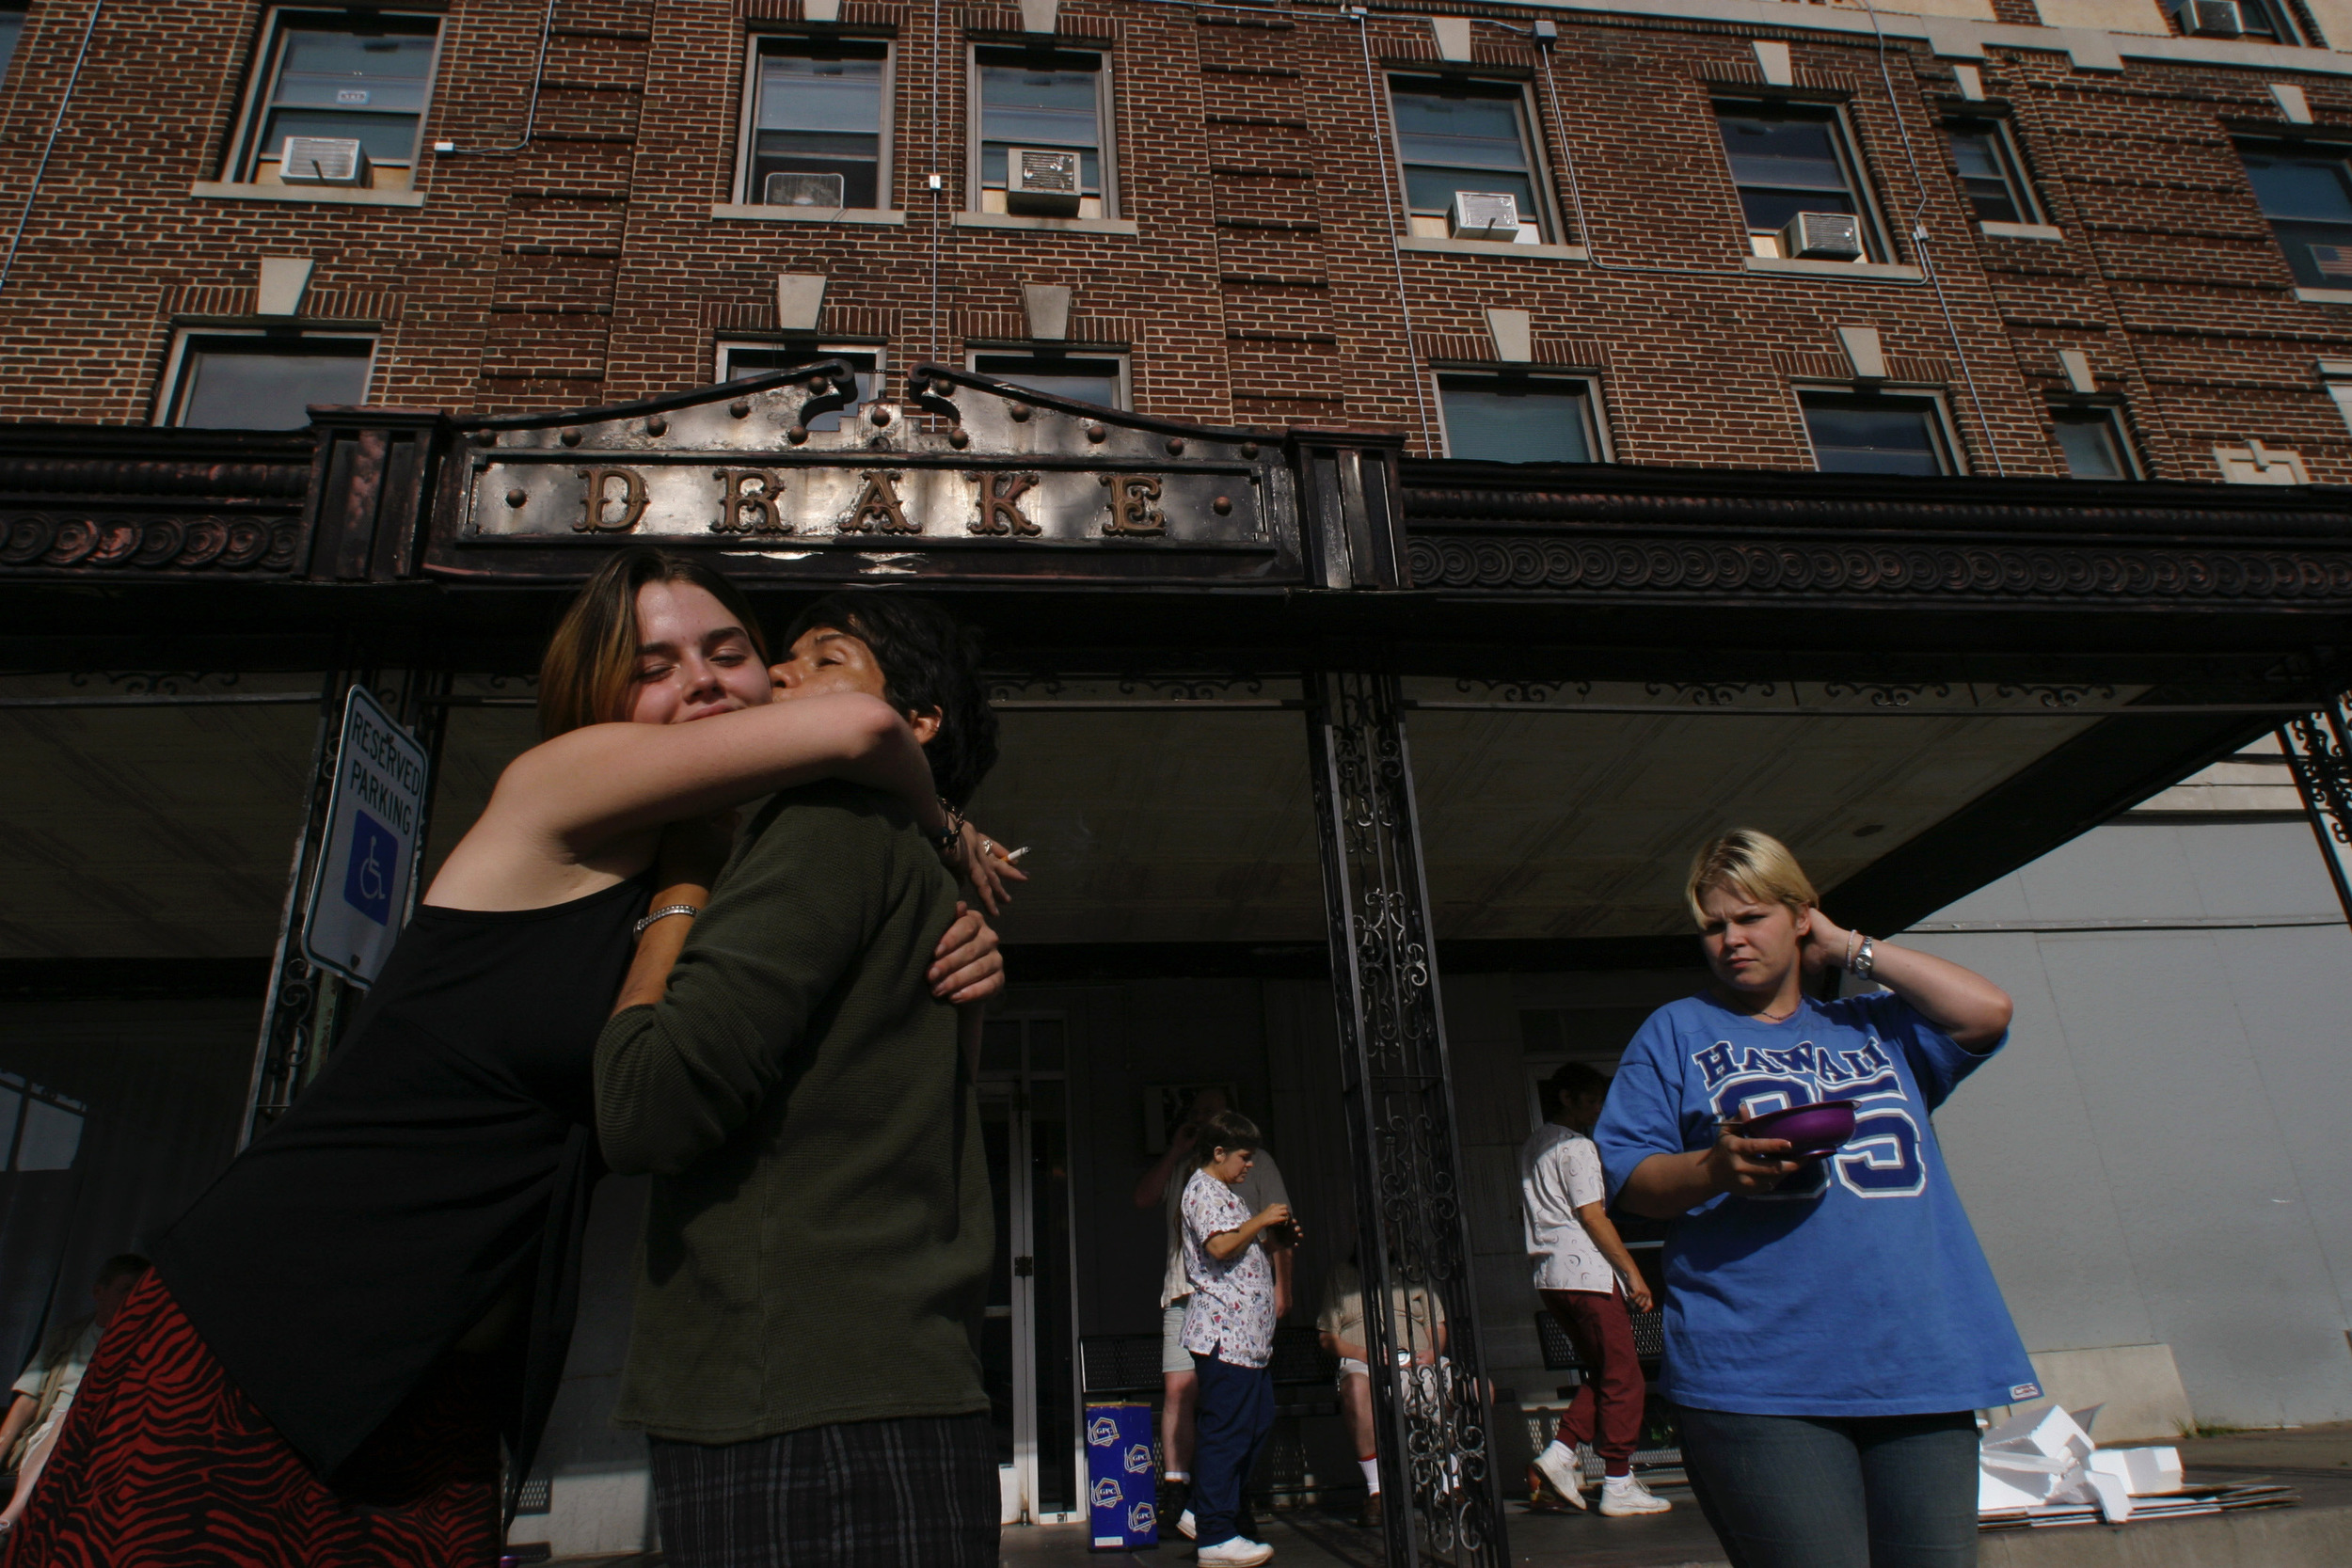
375, 857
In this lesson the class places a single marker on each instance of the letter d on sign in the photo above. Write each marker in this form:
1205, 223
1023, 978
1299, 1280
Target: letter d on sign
593, 518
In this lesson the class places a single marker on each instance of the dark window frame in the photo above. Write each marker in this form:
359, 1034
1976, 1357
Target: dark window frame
1546, 217
1586, 385
177, 382
1944, 435
16, 9
1050, 352
247, 151
2276, 21
1105, 121
2106, 412
1877, 242
2330, 145
2008, 156
764, 41
802, 350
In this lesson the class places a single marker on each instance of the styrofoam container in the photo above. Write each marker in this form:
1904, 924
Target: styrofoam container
2049, 1432
2151, 1472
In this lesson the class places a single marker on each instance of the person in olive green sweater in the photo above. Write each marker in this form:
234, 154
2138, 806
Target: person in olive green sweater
819, 1229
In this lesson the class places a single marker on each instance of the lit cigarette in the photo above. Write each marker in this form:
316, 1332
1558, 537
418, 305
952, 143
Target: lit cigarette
1015, 854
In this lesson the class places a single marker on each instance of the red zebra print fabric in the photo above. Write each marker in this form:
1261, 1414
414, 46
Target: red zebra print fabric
164, 1463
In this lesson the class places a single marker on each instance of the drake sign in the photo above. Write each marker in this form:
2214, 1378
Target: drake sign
966, 475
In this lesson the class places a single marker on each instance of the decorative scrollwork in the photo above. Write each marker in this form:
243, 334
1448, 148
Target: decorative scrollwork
1435, 1430
2056, 696
1008, 686
1712, 693
1882, 694
1533, 693
40, 541
1991, 572
159, 683
1191, 689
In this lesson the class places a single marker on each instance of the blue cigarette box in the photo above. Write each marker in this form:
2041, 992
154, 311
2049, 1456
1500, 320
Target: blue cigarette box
1122, 1482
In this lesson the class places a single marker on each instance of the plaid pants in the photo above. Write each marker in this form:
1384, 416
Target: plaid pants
915, 1491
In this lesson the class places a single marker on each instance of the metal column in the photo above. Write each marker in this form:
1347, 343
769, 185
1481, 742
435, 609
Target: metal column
304, 1004
2319, 752
1433, 1426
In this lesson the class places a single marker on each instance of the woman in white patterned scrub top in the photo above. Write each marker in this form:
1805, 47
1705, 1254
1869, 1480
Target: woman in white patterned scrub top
1228, 1328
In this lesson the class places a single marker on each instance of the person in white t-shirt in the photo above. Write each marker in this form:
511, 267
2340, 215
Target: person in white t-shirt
1586, 1279
1162, 1187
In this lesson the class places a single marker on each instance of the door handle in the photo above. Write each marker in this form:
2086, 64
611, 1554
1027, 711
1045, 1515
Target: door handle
1023, 1267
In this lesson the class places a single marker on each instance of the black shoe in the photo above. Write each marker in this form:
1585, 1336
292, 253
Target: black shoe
1370, 1517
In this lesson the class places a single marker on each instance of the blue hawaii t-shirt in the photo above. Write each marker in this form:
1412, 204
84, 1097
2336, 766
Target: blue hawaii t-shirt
1857, 1287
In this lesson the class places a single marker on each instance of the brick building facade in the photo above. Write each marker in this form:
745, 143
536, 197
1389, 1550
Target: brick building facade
1257, 268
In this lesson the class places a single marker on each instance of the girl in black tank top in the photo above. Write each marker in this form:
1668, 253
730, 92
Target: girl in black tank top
343, 1328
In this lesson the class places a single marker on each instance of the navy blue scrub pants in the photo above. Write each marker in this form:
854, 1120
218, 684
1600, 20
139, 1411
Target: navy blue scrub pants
1236, 1412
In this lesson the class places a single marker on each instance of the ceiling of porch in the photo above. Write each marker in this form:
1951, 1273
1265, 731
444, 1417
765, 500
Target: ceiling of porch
155, 833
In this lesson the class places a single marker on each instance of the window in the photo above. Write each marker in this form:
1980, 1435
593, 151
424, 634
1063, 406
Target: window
1517, 418
737, 361
2269, 20
1096, 378
352, 75
1877, 433
1463, 137
11, 28
1789, 158
2305, 189
1990, 172
1054, 100
816, 110
264, 381
2093, 438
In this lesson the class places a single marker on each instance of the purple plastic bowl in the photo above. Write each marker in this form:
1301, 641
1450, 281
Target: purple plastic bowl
1812, 1130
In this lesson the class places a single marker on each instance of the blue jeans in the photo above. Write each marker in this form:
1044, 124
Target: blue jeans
1836, 1492
1236, 1414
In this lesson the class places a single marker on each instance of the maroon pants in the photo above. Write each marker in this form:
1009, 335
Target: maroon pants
1607, 1410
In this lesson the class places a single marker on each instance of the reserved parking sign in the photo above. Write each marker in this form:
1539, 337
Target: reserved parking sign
360, 897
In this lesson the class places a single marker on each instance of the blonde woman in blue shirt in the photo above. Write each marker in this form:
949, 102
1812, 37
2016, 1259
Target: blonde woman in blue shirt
1831, 1327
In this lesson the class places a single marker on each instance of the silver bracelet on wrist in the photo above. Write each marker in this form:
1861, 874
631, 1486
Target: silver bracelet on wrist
664, 912
1864, 959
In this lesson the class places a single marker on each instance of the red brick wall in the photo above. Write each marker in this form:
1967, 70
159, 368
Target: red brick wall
1262, 289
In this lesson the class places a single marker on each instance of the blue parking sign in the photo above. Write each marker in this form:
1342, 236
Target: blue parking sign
358, 895
374, 862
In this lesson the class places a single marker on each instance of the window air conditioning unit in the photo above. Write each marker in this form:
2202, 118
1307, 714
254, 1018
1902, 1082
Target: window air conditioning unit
1823, 236
2213, 19
1044, 184
1484, 215
322, 161
801, 190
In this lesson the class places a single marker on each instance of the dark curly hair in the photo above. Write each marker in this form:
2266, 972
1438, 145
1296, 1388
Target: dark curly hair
929, 661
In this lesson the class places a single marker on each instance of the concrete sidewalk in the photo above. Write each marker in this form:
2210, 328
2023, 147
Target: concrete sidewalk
2315, 1461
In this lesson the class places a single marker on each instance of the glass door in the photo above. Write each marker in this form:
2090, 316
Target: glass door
1027, 1345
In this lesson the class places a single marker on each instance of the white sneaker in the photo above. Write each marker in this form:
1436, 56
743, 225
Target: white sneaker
1561, 1469
1620, 1496
1185, 1527
1239, 1552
